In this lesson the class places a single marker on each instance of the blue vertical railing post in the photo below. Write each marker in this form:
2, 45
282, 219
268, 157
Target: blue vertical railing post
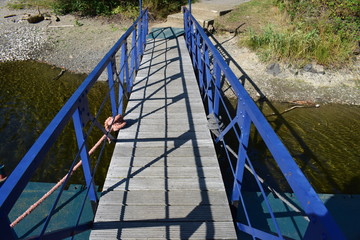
199, 63
186, 27
139, 44
217, 88
133, 59
193, 45
144, 32
209, 82
142, 35
135, 44
244, 124
146, 24
78, 126
111, 71
124, 75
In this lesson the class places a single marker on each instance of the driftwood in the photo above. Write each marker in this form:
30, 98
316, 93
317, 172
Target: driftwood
9, 16
294, 107
61, 26
35, 18
60, 74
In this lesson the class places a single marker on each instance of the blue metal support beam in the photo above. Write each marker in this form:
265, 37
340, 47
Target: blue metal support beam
111, 72
81, 141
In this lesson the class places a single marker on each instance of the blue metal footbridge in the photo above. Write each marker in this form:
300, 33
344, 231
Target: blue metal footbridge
179, 164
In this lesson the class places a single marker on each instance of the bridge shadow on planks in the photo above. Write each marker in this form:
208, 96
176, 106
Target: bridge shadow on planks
168, 184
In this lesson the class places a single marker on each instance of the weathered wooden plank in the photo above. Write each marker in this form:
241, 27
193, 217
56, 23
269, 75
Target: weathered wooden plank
163, 230
166, 172
169, 152
207, 213
168, 136
181, 127
169, 184
164, 198
182, 119
118, 161
164, 142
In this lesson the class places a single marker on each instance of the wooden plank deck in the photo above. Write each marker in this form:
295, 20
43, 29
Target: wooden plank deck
164, 180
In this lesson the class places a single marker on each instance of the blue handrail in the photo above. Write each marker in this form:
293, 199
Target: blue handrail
211, 71
77, 109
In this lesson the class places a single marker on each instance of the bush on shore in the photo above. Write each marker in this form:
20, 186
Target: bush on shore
326, 31
127, 8
301, 31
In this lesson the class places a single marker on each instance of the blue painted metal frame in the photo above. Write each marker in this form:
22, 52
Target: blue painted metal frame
77, 109
210, 75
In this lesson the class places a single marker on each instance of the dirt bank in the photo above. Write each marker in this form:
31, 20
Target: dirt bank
285, 83
78, 44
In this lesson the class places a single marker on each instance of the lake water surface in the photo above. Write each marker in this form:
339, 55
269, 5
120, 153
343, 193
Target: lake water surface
325, 141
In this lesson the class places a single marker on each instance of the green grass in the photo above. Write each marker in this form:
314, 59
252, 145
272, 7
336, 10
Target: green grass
250, 15
23, 4
304, 32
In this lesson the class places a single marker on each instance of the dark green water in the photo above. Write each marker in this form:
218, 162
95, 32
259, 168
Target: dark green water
324, 141
29, 99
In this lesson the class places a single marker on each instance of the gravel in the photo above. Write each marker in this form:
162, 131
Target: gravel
74, 43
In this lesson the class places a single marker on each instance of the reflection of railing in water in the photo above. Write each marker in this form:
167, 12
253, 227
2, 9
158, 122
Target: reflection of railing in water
77, 109
212, 71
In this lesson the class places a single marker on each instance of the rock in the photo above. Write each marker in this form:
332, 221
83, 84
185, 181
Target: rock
273, 69
308, 67
319, 69
35, 18
314, 69
294, 71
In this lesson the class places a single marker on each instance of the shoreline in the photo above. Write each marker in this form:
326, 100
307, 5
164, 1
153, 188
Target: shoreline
282, 82
78, 44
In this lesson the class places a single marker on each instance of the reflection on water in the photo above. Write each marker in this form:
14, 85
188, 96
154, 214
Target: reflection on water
324, 141
30, 98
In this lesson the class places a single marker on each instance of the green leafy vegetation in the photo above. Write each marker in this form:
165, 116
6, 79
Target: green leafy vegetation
127, 8
299, 31
22, 4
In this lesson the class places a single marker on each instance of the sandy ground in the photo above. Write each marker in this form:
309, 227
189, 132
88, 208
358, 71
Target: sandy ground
78, 44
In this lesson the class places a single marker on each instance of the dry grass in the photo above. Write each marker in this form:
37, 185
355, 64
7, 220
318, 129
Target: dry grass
277, 36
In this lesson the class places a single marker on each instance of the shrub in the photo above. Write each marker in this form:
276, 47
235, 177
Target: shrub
326, 31
128, 8
85, 7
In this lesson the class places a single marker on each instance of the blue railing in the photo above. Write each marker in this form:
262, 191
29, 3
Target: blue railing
213, 72
77, 110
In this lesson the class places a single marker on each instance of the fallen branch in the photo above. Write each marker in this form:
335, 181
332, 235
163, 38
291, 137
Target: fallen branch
292, 108
60, 26
59, 75
9, 16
